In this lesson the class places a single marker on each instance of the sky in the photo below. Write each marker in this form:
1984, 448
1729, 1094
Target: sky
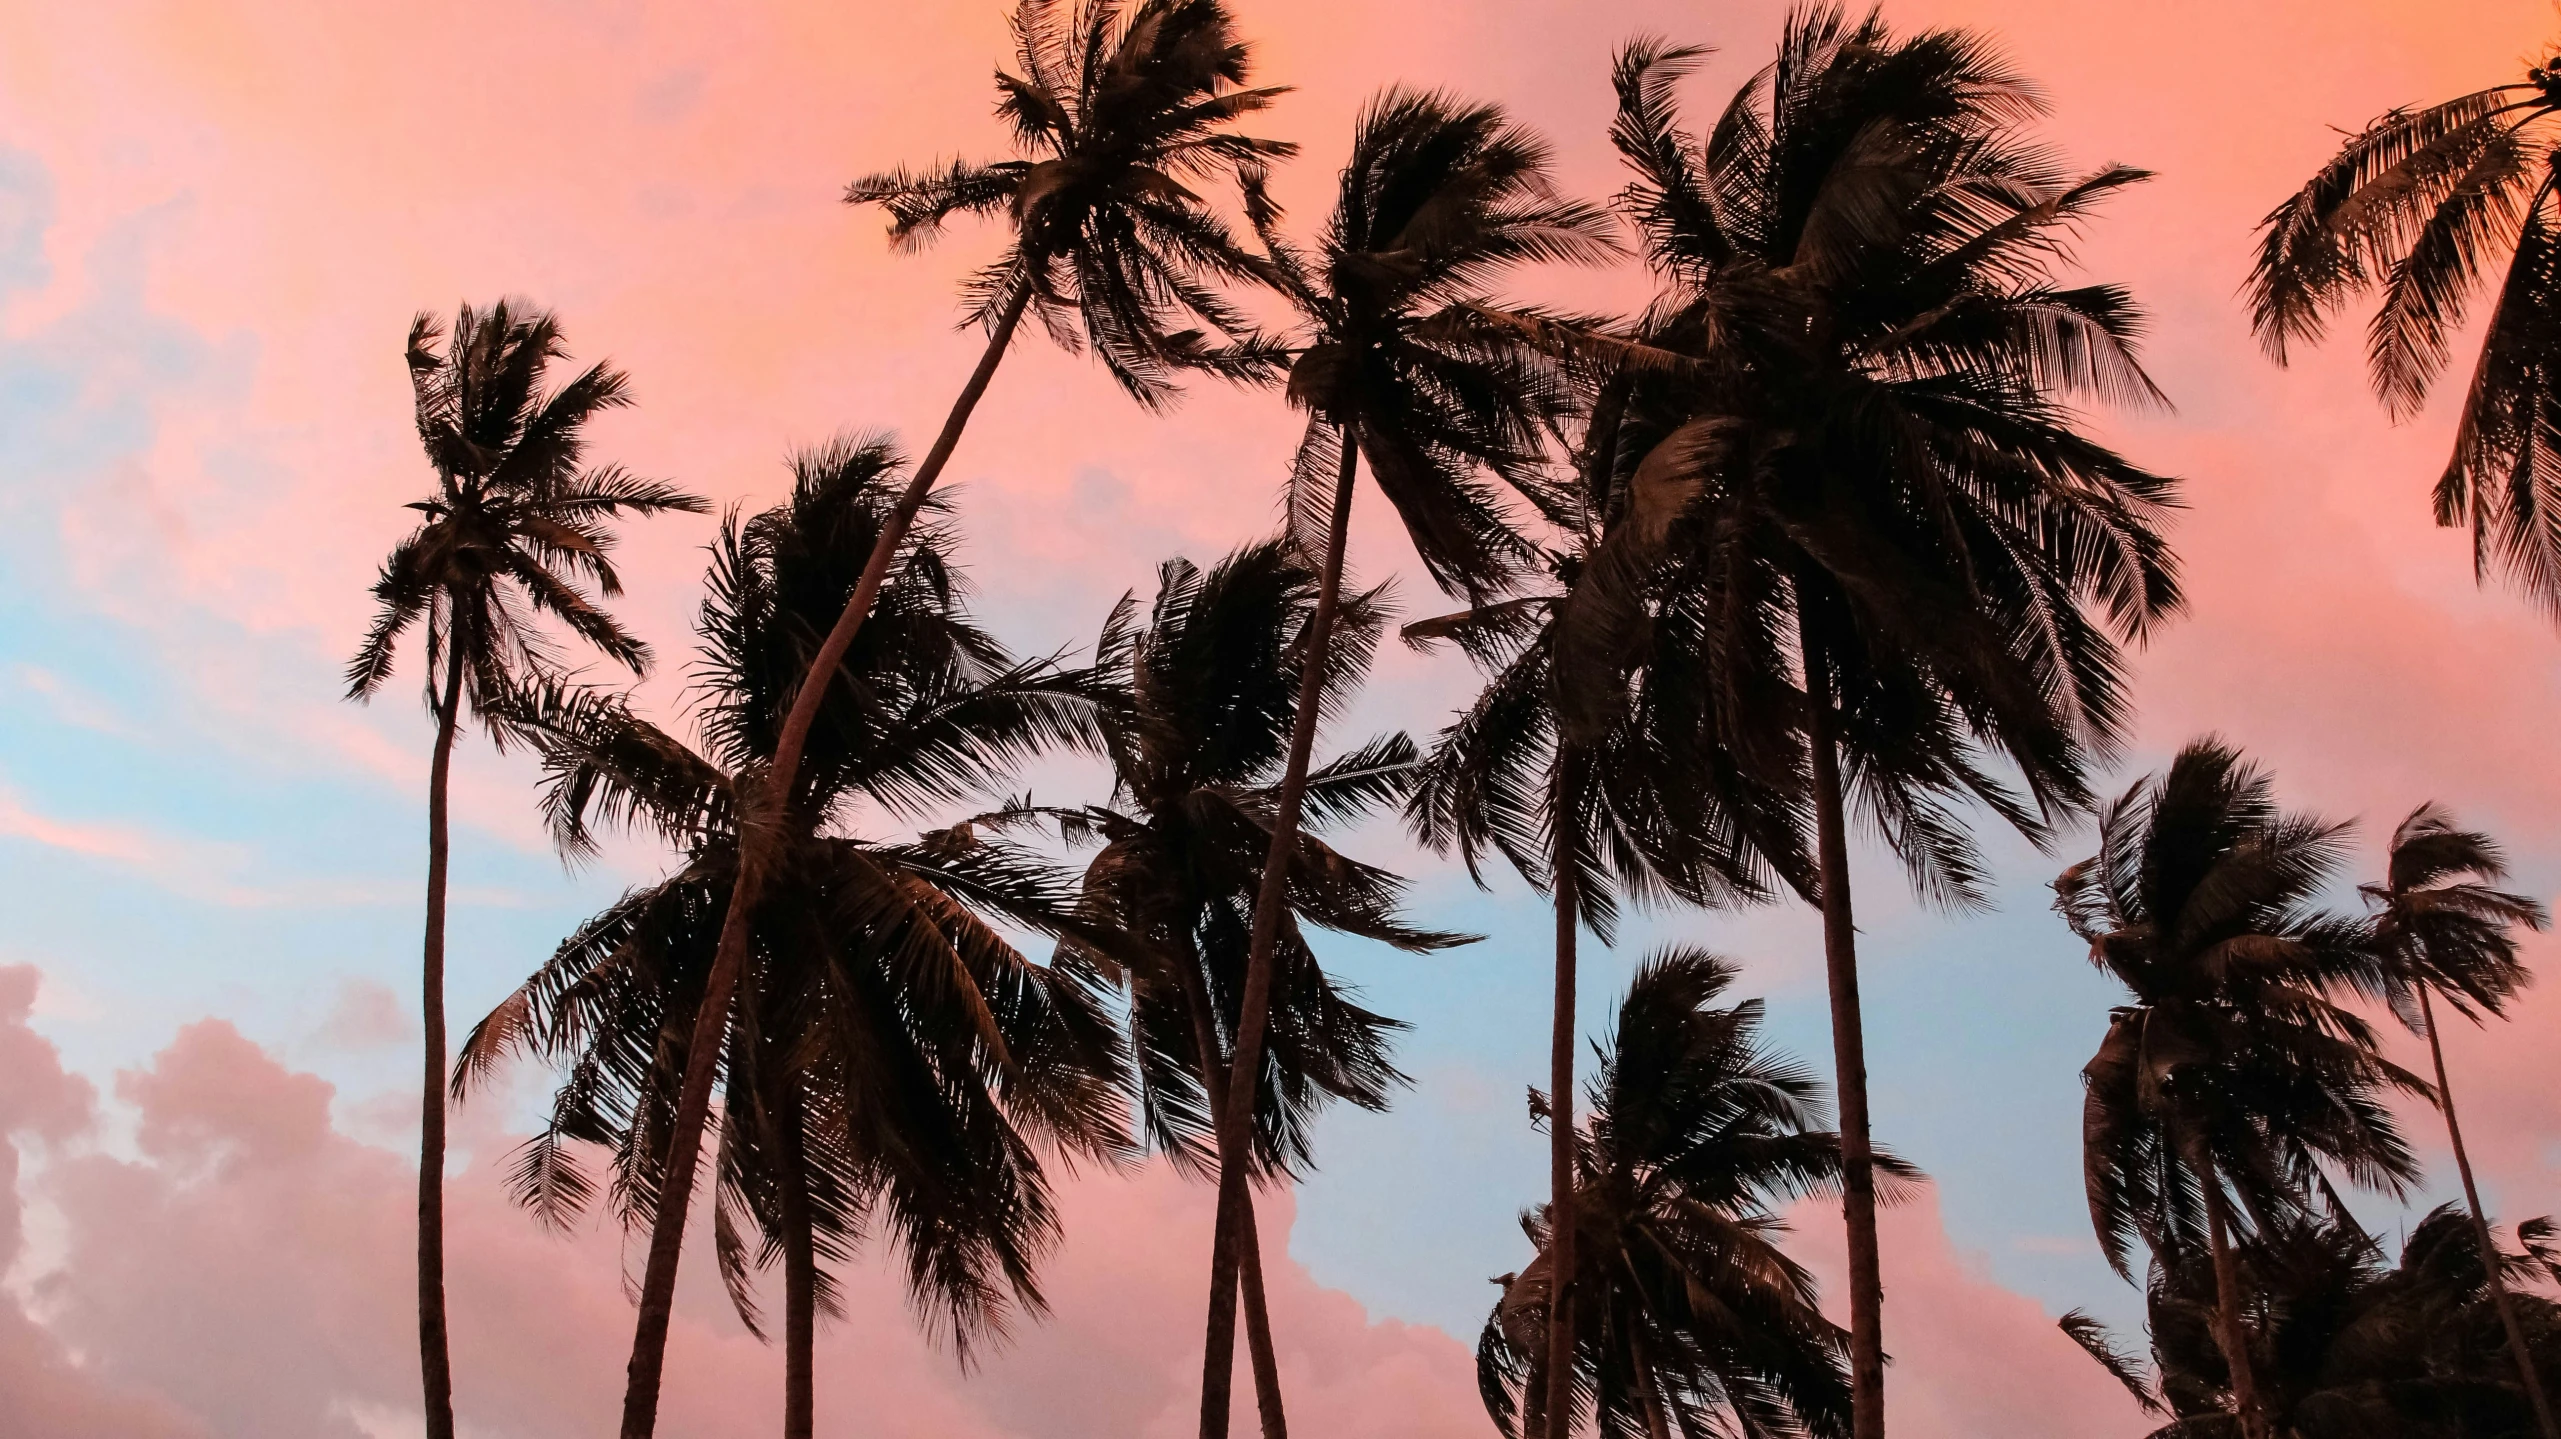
215, 224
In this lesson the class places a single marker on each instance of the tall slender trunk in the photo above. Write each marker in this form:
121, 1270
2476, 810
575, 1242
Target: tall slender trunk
1236, 1117
1258, 1317
2228, 1330
435, 1361
1658, 1425
1560, 1104
800, 1283
2481, 1231
702, 1057
1849, 1054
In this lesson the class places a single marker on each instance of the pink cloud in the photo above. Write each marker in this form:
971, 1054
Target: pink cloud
1969, 1357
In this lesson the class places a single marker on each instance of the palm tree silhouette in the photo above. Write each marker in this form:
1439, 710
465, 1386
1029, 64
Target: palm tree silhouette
1590, 761
2235, 1074
1855, 397
892, 1063
2350, 1345
517, 524
1115, 109
1401, 357
2445, 928
1197, 727
1692, 1319
2422, 205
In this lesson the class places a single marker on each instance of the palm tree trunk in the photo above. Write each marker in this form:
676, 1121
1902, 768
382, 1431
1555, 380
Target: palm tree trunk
1658, 1425
1236, 1117
435, 1361
1849, 1055
2481, 1231
702, 1058
800, 1284
1560, 1108
2228, 1330
1258, 1318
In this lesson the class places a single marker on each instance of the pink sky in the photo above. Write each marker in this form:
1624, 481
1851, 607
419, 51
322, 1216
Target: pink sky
247, 202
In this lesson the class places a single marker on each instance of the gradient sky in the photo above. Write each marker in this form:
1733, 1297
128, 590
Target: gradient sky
214, 226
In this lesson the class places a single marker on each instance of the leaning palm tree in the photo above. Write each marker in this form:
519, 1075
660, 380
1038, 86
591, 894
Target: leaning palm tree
2348, 1345
2235, 1074
1693, 1320
892, 1062
2446, 929
1855, 398
1115, 109
1402, 358
1197, 727
2424, 205
517, 525
1595, 770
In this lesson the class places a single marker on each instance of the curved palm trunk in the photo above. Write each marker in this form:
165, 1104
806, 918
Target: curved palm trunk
1560, 1105
2481, 1230
435, 1361
1849, 1058
1258, 1317
1236, 1117
800, 1286
2228, 1330
702, 1057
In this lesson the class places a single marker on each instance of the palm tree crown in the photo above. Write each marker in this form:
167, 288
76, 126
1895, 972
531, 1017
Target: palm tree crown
2444, 924
1197, 726
2422, 205
1116, 111
922, 1058
2203, 901
1403, 350
1691, 1318
518, 520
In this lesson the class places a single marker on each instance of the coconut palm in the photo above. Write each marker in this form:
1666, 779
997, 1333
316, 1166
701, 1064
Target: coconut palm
892, 1063
1403, 358
2348, 1345
1855, 398
1692, 1318
2445, 928
517, 526
1115, 110
2235, 1074
2423, 206
1594, 770
1197, 728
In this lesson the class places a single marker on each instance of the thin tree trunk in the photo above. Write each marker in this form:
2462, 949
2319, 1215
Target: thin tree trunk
2481, 1230
1258, 1318
435, 1361
1236, 1117
702, 1058
2228, 1330
1658, 1425
800, 1284
1560, 1107
1849, 1057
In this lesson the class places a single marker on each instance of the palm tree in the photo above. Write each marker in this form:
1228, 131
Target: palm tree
1590, 762
2423, 206
2446, 929
892, 1062
1856, 399
2235, 1074
2349, 1345
1404, 359
1197, 727
517, 525
1115, 109
1692, 1319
